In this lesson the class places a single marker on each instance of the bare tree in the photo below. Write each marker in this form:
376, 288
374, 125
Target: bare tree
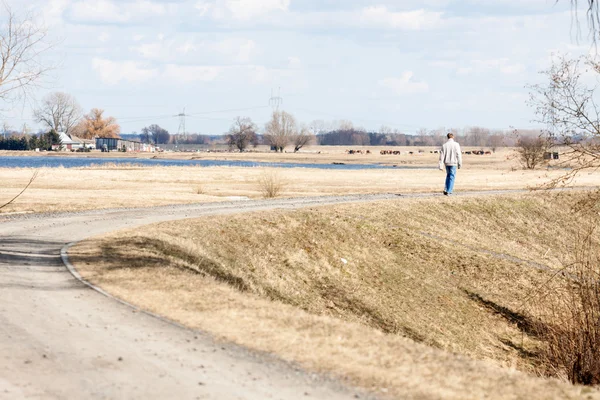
5, 128
155, 134
567, 105
345, 125
530, 150
477, 136
95, 125
59, 111
593, 16
304, 137
241, 133
320, 126
496, 140
22, 42
385, 130
438, 136
280, 130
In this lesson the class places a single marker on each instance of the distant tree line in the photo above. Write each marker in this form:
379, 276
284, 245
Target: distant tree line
472, 136
43, 141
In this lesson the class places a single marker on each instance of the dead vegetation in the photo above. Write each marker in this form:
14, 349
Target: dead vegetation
567, 313
133, 185
379, 293
270, 183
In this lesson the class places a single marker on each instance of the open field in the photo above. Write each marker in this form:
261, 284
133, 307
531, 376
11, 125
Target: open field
416, 298
70, 189
503, 158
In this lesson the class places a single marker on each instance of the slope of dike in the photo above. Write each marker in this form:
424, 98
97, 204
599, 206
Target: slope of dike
411, 298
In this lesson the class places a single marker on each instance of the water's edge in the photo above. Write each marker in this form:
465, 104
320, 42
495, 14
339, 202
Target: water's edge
60, 162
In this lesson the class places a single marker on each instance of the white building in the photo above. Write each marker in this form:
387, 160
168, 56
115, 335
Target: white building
72, 143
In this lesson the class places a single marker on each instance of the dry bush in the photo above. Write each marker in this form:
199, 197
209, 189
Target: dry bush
568, 316
270, 184
199, 189
530, 151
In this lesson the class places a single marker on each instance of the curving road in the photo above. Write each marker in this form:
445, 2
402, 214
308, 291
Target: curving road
61, 340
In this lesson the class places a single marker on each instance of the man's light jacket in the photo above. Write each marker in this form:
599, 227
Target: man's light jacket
450, 154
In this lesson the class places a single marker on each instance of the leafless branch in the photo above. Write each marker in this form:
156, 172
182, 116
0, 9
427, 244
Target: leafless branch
22, 42
33, 177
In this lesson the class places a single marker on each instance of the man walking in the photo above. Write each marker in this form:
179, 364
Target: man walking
451, 159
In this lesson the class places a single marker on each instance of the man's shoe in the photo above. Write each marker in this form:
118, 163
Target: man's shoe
445, 193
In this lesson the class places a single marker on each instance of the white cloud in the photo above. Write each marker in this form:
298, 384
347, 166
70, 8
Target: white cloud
247, 9
234, 50
187, 74
464, 71
53, 11
502, 65
97, 11
186, 47
406, 84
238, 50
103, 37
243, 10
382, 17
113, 72
156, 50
147, 7
294, 63
512, 69
109, 11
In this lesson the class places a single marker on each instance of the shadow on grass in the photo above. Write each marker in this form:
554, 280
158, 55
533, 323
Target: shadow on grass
342, 303
191, 263
524, 323
524, 353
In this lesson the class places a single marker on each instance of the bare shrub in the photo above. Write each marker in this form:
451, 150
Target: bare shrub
530, 151
270, 184
199, 189
569, 316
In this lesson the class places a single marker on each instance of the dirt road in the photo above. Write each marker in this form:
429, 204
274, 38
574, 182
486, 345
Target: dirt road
59, 339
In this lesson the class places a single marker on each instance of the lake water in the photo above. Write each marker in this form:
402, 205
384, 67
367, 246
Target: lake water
73, 162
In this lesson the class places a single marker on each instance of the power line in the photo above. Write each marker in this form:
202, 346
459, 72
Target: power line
275, 101
229, 110
181, 133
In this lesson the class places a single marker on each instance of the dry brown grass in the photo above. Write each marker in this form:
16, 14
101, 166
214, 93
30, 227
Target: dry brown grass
567, 311
270, 183
63, 189
381, 293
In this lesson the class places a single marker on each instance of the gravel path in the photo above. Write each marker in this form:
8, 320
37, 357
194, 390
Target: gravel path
59, 339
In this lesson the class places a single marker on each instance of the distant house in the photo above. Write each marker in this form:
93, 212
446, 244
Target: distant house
118, 144
87, 143
73, 143
66, 143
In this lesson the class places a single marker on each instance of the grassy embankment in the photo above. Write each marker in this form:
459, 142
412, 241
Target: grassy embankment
415, 298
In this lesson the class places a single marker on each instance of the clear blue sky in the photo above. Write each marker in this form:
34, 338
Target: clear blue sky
431, 63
